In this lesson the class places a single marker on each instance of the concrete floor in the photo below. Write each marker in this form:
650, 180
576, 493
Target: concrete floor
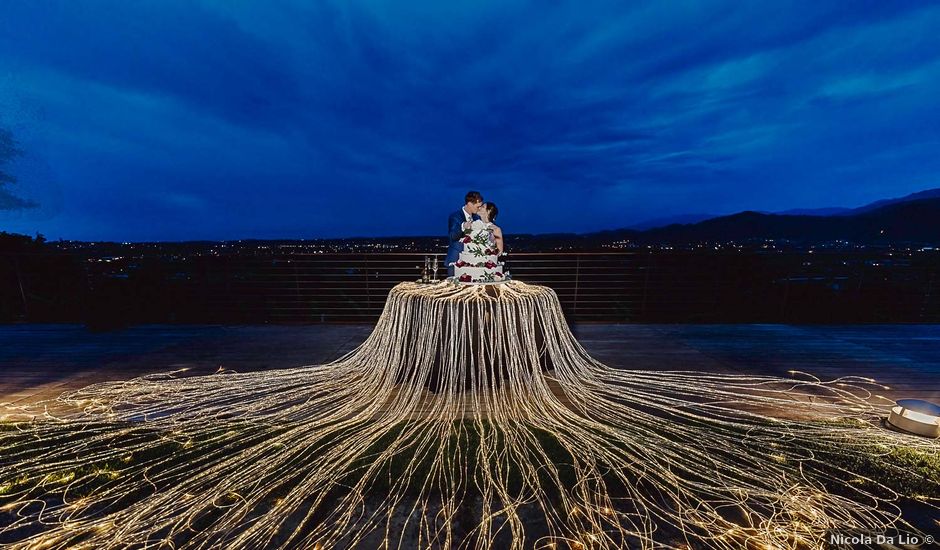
40, 361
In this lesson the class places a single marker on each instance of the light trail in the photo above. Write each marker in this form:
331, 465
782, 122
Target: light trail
526, 441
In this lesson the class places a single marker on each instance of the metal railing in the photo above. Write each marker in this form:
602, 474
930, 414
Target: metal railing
643, 286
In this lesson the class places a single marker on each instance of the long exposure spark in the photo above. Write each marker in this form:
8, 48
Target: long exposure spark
470, 418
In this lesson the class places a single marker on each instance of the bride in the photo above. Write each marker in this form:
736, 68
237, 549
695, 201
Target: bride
487, 215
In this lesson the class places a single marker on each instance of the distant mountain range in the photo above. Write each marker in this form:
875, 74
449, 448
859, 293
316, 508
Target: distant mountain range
669, 220
826, 211
839, 211
913, 218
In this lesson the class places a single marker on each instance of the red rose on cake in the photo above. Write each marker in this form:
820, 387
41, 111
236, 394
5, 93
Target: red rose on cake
460, 263
498, 274
489, 265
465, 278
467, 240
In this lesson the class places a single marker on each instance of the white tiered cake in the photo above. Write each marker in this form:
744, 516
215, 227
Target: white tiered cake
479, 261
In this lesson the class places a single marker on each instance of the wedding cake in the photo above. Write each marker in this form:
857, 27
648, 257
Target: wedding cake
479, 260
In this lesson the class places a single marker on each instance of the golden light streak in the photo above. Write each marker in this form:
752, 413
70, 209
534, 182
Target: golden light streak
470, 418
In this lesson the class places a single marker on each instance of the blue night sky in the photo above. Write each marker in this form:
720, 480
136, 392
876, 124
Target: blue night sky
222, 119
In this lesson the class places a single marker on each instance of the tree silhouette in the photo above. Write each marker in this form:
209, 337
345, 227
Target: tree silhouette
9, 151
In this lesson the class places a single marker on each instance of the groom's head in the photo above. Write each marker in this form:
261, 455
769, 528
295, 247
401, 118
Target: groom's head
473, 202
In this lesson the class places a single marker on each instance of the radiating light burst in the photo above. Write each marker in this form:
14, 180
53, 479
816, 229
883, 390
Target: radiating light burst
470, 418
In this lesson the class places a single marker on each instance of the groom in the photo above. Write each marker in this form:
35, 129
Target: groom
457, 222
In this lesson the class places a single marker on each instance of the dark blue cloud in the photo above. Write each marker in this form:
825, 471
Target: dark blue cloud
177, 49
216, 119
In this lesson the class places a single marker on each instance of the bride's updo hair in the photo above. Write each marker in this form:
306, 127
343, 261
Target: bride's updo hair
491, 208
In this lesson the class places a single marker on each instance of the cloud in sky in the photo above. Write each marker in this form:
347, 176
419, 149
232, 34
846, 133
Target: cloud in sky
217, 119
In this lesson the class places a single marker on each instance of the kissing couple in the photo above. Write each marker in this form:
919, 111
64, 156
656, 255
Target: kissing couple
475, 241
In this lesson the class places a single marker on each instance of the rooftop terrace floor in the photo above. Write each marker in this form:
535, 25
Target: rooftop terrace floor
40, 361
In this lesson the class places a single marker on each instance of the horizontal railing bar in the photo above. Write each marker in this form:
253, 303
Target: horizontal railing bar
607, 286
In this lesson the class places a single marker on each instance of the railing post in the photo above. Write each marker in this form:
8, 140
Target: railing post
646, 284
368, 288
858, 289
925, 305
19, 281
577, 274
297, 296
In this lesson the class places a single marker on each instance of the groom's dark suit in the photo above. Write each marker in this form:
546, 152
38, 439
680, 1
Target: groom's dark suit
455, 235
